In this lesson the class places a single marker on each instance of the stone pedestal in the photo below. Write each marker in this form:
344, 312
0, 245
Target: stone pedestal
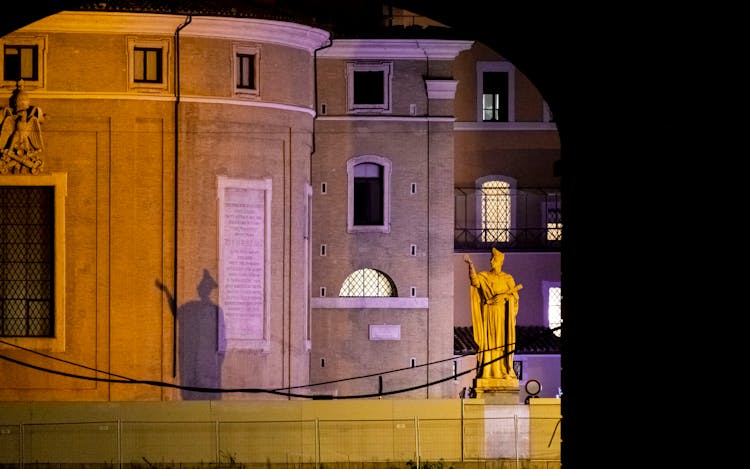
497, 390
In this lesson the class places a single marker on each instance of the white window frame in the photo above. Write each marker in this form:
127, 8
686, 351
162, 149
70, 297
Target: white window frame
512, 183
247, 50
59, 181
380, 66
386, 164
41, 43
483, 66
166, 64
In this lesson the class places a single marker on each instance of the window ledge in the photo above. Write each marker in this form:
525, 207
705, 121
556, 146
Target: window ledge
499, 126
353, 302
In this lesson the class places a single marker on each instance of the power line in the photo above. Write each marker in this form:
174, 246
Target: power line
278, 391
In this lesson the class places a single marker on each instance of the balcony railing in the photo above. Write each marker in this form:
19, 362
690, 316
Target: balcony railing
521, 219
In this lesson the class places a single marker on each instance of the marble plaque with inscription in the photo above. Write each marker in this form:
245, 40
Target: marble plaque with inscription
243, 225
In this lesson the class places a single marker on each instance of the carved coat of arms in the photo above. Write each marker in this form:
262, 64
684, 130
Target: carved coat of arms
20, 135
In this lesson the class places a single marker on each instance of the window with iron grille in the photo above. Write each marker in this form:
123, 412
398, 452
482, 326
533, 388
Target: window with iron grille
496, 211
553, 217
368, 283
27, 261
554, 306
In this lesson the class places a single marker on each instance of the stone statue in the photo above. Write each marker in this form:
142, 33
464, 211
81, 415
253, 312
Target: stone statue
494, 306
20, 135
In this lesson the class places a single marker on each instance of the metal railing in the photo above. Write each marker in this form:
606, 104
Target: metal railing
390, 444
522, 219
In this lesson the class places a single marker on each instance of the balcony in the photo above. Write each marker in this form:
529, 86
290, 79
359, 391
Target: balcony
512, 220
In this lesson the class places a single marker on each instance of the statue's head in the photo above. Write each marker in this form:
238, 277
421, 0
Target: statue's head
497, 258
19, 100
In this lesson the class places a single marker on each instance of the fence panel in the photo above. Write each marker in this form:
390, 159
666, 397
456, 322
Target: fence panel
70, 443
169, 442
489, 442
267, 442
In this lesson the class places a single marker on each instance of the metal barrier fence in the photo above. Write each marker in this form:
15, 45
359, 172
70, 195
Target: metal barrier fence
495, 443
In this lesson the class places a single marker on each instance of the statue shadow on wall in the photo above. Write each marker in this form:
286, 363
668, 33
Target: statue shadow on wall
197, 352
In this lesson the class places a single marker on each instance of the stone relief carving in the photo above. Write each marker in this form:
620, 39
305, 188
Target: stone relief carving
20, 135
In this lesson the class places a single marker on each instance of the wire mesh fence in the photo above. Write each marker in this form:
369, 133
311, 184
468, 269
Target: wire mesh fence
465, 443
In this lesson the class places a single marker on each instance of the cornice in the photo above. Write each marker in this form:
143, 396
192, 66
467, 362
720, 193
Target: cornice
412, 49
241, 29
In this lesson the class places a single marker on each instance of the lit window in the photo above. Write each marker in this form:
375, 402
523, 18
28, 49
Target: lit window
368, 282
554, 314
496, 96
369, 86
553, 217
496, 208
369, 194
23, 59
32, 255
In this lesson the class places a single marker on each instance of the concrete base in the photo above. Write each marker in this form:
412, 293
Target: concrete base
497, 391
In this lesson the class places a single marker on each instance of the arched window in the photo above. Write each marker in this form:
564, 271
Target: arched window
369, 194
496, 208
368, 282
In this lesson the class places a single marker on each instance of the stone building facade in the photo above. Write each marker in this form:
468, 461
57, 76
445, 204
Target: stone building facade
207, 238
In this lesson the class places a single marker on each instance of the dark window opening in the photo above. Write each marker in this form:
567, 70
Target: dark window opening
246, 71
368, 194
368, 87
20, 63
147, 66
495, 96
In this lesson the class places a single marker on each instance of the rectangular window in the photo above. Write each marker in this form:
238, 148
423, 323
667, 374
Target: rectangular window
23, 59
553, 217
368, 194
495, 92
32, 261
369, 187
246, 71
496, 211
21, 62
369, 86
246, 65
495, 97
27, 268
147, 65
148, 69
554, 309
